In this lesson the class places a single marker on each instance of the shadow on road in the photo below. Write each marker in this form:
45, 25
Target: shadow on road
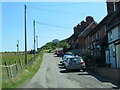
60, 65
103, 79
71, 71
63, 71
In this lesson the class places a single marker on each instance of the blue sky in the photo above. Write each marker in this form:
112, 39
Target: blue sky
67, 14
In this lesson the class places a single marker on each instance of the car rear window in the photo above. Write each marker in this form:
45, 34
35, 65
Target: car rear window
76, 59
60, 51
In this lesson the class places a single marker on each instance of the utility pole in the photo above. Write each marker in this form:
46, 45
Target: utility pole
17, 46
34, 35
37, 41
25, 7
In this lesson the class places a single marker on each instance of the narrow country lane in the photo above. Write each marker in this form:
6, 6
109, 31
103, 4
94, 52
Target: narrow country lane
53, 75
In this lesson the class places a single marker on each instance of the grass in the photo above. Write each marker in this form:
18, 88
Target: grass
23, 75
10, 58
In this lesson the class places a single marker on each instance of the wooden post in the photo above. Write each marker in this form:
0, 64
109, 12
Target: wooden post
7, 70
20, 64
16, 66
11, 72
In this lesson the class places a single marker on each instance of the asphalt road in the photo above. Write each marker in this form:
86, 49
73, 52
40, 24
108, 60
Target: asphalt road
52, 75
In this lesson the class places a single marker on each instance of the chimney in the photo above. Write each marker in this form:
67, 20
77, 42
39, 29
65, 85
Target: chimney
112, 5
89, 19
117, 5
83, 23
75, 29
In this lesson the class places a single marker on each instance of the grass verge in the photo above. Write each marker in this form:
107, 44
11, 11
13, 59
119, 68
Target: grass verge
24, 75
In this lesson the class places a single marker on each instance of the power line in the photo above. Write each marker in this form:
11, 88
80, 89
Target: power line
53, 11
52, 25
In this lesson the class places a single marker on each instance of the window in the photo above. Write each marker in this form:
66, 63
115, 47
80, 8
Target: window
110, 36
105, 29
113, 51
119, 30
92, 38
97, 35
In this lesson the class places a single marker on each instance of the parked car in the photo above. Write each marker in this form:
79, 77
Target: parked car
67, 54
55, 52
60, 53
75, 63
65, 59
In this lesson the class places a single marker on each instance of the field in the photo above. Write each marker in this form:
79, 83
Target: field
10, 59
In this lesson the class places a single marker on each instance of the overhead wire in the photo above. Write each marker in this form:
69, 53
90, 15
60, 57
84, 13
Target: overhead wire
54, 11
52, 25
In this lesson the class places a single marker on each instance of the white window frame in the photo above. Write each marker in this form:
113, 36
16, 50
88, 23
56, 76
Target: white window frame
110, 36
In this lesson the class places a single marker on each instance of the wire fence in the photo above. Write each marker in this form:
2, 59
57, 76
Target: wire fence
10, 71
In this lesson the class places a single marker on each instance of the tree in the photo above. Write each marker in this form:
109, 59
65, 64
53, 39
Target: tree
55, 42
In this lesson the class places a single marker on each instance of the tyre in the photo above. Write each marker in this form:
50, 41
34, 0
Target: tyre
83, 70
67, 70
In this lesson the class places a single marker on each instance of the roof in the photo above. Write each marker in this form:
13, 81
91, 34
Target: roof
86, 30
104, 22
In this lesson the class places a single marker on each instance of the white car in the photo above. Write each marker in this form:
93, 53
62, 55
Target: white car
75, 63
65, 59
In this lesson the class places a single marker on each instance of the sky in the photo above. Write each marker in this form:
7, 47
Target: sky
66, 15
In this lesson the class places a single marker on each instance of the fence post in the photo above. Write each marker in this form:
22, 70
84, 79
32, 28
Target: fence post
20, 64
11, 72
16, 66
7, 70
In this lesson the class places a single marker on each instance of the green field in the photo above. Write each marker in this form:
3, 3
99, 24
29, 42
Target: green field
23, 74
11, 57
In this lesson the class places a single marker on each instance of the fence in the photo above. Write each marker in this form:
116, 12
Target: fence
10, 71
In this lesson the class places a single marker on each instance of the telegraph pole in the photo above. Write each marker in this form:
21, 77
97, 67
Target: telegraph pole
25, 7
17, 46
34, 35
37, 41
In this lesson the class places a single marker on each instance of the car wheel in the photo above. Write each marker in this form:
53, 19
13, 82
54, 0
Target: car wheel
83, 70
67, 70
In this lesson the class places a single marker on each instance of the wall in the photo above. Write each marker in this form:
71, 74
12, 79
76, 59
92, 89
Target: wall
111, 73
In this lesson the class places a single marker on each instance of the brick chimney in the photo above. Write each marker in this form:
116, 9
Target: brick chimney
89, 19
75, 29
83, 23
112, 5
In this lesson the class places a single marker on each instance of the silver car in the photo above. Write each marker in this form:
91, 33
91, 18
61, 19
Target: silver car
65, 59
75, 63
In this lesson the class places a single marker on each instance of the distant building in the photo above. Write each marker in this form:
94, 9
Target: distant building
78, 40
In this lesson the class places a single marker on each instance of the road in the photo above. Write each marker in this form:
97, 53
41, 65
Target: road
52, 75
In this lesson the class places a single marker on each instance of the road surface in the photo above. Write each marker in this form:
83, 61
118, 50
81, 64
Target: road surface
52, 75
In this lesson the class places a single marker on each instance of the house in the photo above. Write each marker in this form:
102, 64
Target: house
101, 40
77, 40
113, 32
98, 42
84, 39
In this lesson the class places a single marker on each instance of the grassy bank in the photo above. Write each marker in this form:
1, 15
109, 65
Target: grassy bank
23, 75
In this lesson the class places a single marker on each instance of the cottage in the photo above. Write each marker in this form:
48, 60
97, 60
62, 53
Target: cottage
113, 31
